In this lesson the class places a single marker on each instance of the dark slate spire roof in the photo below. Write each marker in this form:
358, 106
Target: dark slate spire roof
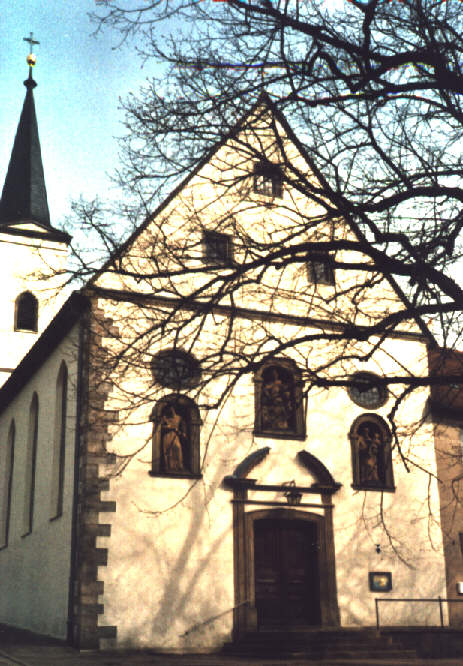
24, 196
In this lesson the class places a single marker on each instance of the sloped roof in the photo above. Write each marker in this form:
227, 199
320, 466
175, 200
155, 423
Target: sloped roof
263, 101
24, 196
266, 103
55, 332
76, 305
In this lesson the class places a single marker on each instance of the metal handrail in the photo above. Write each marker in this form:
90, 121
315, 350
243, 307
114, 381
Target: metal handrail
195, 627
439, 601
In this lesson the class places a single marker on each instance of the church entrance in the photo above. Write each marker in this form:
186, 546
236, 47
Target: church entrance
286, 573
284, 568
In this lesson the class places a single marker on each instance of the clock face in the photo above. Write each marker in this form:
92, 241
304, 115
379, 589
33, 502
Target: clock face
176, 369
366, 392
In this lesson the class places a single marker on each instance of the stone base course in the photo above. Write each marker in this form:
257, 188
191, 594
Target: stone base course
24, 648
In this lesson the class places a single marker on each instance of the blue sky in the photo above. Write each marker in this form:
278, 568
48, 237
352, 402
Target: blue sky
80, 79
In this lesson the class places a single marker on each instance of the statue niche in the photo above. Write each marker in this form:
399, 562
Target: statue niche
278, 400
371, 453
175, 439
176, 426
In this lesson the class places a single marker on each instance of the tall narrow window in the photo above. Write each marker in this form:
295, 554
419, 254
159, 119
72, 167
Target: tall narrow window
26, 312
31, 453
59, 442
6, 465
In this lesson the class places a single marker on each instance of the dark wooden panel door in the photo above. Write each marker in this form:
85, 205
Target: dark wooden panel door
287, 584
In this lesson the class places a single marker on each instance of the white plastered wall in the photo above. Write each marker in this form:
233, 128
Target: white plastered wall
220, 197
35, 569
27, 264
169, 579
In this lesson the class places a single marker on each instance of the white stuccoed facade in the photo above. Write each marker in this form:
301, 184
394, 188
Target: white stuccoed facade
168, 562
35, 568
177, 534
28, 264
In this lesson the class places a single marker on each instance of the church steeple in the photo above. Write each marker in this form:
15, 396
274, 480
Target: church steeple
24, 196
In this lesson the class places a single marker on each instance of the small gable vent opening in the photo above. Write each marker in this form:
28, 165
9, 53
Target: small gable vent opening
320, 269
268, 179
26, 312
218, 247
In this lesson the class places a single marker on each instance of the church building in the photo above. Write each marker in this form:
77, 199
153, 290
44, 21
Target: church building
184, 468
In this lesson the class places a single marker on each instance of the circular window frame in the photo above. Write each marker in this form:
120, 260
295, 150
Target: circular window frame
355, 394
185, 381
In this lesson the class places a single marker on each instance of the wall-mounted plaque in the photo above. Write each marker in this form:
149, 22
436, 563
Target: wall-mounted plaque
380, 581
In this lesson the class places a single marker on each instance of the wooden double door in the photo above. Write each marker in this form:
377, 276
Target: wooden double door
286, 572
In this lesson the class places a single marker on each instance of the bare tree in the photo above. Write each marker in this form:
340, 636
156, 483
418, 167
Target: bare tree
353, 114
372, 91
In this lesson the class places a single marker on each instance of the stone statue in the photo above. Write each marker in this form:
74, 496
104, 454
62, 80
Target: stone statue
277, 401
371, 453
174, 439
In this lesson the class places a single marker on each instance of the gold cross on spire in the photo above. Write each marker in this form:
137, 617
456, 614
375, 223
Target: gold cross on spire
31, 57
31, 41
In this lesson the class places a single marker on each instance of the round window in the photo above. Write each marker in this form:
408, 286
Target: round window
176, 369
366, 392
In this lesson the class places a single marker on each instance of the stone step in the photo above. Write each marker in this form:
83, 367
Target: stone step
392, 653
342, 644
317, 640
351, 655
398, 655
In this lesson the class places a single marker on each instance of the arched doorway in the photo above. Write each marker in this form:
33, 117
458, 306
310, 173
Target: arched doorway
286, 572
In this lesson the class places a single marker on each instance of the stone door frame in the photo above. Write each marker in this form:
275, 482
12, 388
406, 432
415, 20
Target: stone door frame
328, 611
245, 613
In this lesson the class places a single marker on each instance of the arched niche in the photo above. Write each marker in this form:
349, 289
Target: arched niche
26, 312
176, 437
370, 439
278, 400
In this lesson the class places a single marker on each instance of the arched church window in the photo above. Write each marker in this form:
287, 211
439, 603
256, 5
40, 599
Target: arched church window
26, 312
59, 442
30, 465
279, 409
370, 440
176, 437
6, 467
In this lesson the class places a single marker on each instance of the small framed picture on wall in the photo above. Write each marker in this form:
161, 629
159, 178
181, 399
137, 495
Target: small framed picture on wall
380, 581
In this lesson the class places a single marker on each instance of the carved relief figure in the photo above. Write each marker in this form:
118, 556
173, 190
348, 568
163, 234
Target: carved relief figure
371, 453
174, 439
277, 400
